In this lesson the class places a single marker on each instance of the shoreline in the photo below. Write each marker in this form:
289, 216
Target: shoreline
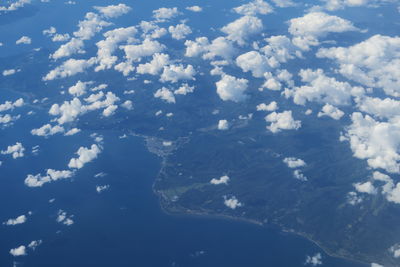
279, 228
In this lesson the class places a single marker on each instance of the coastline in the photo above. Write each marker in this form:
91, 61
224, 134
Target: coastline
180, 211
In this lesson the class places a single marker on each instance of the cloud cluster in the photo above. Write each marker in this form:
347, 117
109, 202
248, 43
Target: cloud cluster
51, 175
242, 29
222, 180
232, 202
17, 150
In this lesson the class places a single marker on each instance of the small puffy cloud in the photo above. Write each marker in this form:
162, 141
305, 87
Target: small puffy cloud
174, 73
184, 89
253, 8
314, 260
232, 202
222, 180
66, 50
223, 125
19, 251
146, 48
270, 107
64, 218
69, 68
34, 244
51, 175
242, 29
127, 105
387, 108
19, 220
282, 121
299, 176
102, 188
9, 72
165, 94
366, 187
73, 131
113, 11
179, 31
284, 3
254, 62
47, 130
331, 111
308, 29
353, 198
24, 40
376, 265
219, 47
91, 25
194, 8
110, 110
230, 88
17, 150
163, 13
294, 162
85, 155
79, 88
155, 66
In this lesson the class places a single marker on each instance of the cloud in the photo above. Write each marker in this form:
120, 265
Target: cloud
9, 72
19, 251
387, 108
85, 155
110, 110
331, 111
106, 47
374, 62
17, 150
294, 163
321, 88
284, 3
174, 73
254, 62
184, 89
102, 188
253, 8
127, 105
163, 13
366, 187
66, 50
47, 130
366, 141
15, 5
19, 220
223, 125
34, 244
9, 105
242, 29
314, 260
51, 175
64, 218
165, 95
282, 121
194, 8
232, 202
270, 107
69, 68
113, 11
219, 47
222, 180
308, 29
155, 66
179, 31
299, 175
91, 25
230, 88
24, 40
